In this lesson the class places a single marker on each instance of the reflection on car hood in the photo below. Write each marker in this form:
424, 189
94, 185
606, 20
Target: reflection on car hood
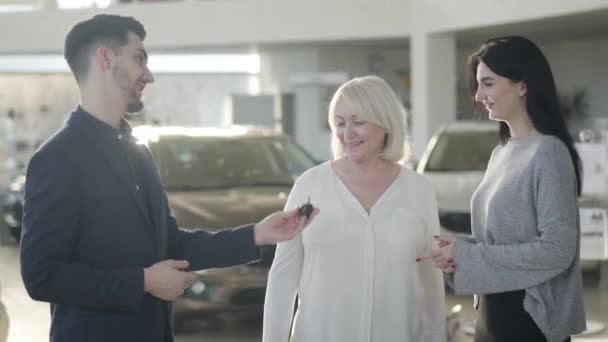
216, 209
454, 189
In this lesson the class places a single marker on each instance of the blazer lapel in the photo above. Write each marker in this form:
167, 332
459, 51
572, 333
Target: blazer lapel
158, 199
122, 170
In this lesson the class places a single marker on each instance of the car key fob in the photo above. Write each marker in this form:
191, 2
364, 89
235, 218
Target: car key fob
305, 210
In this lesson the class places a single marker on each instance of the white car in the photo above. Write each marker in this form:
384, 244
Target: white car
454, 161
3, 323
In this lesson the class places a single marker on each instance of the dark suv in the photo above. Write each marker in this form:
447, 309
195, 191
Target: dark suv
12, 208
215, 178
219, 178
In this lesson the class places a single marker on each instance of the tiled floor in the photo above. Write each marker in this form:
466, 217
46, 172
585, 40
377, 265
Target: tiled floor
30, 320
596, 306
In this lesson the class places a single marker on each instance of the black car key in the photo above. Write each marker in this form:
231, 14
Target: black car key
305, 210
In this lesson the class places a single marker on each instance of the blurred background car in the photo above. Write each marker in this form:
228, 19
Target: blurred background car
454, 161
219, 178
215, 178
12, 208
4, 323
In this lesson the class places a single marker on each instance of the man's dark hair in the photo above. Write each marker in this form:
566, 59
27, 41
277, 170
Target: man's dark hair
109, 30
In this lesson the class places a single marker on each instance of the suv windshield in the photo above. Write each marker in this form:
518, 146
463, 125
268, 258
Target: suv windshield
193, 163
462, 151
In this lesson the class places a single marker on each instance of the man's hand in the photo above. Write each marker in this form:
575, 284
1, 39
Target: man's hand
167, 279
281, 226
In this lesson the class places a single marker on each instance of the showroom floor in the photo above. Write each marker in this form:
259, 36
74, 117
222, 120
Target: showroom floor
30, 320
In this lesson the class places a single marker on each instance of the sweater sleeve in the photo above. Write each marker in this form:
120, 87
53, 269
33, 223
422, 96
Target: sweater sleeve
483, 268
283, 280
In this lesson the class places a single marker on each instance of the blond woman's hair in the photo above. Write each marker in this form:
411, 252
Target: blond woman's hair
373, 100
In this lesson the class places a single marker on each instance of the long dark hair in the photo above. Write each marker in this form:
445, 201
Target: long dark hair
519, 59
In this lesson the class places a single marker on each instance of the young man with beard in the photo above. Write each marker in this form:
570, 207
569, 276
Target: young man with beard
99, 242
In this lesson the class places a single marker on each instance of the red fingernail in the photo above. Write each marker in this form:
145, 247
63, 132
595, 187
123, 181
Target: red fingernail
423, 258
450, 260
436, 236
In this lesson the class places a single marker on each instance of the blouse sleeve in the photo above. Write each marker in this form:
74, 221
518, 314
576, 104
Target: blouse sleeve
283, 280
431, 280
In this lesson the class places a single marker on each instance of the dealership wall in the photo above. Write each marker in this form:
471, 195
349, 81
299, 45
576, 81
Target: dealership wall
43, 101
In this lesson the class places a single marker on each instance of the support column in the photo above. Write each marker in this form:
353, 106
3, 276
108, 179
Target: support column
433, 96
297, 71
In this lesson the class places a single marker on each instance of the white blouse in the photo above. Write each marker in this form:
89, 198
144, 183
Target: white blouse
355, 273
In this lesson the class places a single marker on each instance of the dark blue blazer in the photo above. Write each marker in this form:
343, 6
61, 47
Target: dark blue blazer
87, 235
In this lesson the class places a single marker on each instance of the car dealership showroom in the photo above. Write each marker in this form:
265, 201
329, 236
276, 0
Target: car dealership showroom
229, 103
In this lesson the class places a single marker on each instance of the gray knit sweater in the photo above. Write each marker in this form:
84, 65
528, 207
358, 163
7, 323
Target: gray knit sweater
525, 222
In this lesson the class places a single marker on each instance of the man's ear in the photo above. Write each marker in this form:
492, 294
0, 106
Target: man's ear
104, 57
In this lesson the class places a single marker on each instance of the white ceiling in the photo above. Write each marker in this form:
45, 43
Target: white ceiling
584, 25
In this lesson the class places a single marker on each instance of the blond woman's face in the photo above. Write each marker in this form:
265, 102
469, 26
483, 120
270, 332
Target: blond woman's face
359, 138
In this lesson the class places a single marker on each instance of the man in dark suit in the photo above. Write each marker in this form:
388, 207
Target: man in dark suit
99, 242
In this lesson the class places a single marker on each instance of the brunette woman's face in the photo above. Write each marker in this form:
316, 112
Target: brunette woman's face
501, 97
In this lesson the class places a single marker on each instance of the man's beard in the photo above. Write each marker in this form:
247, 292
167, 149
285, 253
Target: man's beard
135, 106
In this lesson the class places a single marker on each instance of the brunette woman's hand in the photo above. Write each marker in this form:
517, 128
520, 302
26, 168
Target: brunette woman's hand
442, 253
